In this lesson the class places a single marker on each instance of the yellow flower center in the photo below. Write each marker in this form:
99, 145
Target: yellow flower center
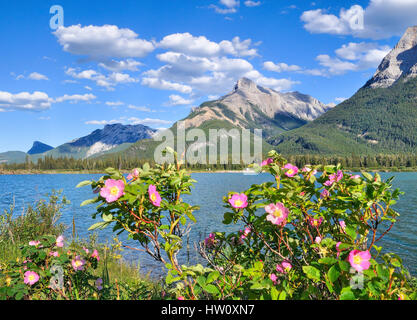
238, 203
114, 191
31, 277
78, 263
290, 171
278, 213
153, 197
357, 259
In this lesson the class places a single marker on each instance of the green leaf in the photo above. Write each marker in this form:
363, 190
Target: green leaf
274, 293
211, 289
107, 217
282, 296
333, 273
312, 273
201, 281
327, 260
213, 276
383, 273
347, 294
99, 225
84, 183
89, 201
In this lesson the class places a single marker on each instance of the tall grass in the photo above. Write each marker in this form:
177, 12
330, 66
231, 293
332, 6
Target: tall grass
42, 218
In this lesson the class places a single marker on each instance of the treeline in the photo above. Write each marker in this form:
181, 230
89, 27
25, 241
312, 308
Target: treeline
394, 162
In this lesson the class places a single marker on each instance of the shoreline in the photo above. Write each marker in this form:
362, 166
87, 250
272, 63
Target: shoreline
51, 172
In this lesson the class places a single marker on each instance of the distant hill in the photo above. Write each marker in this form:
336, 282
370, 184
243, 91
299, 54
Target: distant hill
12, 157
380, 118
39, 147
112, 138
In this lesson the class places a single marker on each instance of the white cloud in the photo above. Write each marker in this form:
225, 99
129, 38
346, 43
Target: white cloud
353, 57
102, 42
280, 67
133, 121
25, 101
117, 66
250, 3
114, 103
273, 83
37, 76
76, 98
335, 66
340, 100
101, 80
202, 47
176, 100
382, 19
227, 6
166, 85
139, 108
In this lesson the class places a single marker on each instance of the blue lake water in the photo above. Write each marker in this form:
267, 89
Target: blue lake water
208, 193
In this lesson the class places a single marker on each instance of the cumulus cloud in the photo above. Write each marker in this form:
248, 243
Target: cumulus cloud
353, 57
114, 103
74, 98
33, 76
176, 100
166, 85
25, 101
280, 67
250, 3
36, 101
200, 46
107, 81
132, 121
37, 76
381, 19
117, 66
102, 42
139, 108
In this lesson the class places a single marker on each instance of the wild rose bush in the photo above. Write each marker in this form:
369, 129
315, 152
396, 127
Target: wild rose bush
148, 206
48, 270
308, 236
304, 236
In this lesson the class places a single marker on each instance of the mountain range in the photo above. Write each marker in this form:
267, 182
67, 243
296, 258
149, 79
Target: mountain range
379, 118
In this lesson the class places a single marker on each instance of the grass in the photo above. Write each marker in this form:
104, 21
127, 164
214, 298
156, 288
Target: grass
42, 218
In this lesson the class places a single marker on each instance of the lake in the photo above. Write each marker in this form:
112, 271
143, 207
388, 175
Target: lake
208, 193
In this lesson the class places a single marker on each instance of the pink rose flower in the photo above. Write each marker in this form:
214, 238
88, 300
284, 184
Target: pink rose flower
54, 253
34, 243
291, 170
239, 201
133, 175
210, 241
316, 222
60, 241
30, 278
359, 260
78, 263
154, 196
356, 176
273, 277
267, 162
113, 190
278, 214
342, 225
284, 267
317, 240
95, 255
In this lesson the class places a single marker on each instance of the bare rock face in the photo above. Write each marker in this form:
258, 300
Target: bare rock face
248, 99
401, 61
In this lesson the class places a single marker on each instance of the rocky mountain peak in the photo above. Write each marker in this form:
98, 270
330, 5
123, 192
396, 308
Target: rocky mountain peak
39, 147
245, 84
401, 61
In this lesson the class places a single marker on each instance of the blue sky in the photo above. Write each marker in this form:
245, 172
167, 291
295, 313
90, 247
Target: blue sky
151, 61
